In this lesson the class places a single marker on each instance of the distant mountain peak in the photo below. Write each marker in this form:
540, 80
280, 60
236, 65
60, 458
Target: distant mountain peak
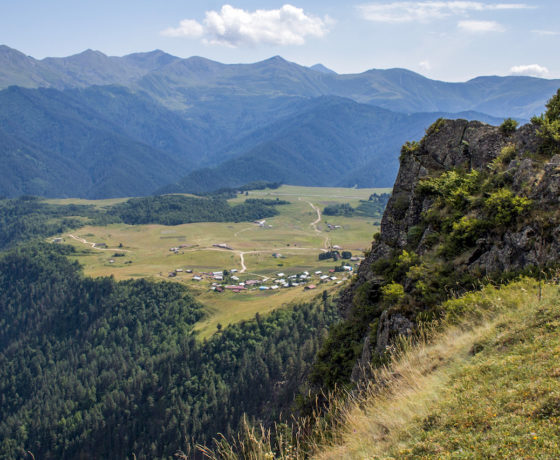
321, 68
90, 52
278, 60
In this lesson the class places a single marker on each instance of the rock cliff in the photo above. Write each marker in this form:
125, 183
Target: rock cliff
471, 201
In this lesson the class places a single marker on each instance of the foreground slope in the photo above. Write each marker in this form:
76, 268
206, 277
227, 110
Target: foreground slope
487, 387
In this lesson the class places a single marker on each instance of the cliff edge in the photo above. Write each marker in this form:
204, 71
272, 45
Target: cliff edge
472, 203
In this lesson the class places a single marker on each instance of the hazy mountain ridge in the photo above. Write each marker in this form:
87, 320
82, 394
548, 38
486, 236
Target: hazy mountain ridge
335, 141
178, 82
130, 125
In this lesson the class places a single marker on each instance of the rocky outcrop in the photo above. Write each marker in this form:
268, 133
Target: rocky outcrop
464, 145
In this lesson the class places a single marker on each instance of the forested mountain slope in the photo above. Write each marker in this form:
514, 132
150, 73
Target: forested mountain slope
57, 146
93, 368
333, 141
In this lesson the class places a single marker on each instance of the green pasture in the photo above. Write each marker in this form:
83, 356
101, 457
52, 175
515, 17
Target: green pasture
146, 250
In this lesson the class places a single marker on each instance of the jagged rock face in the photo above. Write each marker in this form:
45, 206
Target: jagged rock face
467, 145
453, 144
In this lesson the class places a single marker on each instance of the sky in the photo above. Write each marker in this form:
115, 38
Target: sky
443, 40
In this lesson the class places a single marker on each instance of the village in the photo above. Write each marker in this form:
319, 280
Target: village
237, 281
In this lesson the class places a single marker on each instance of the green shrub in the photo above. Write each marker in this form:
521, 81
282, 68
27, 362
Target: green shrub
392, 293
464, 234
549, 126
503, 206
507, 154
453, 188
414, 235
553, 107
509, 126
409, 148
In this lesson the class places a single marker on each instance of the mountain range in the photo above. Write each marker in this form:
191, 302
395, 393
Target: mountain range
96, 126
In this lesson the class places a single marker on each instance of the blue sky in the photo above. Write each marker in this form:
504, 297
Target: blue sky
445, 40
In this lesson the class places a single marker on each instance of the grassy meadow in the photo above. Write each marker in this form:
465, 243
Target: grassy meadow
298, 234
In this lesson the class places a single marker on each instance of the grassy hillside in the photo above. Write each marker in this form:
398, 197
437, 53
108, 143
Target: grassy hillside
487, 388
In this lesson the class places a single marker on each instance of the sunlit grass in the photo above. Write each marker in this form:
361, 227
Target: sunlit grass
487, 385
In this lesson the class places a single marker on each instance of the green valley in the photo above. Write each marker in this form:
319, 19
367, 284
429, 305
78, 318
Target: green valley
255, 251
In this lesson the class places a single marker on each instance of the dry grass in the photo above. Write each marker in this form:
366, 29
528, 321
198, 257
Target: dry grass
429, 391
379, 420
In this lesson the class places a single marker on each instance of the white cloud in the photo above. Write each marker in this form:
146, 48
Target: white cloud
187, 28
425, 11
531, 70
231, 26
480, 27
545, 33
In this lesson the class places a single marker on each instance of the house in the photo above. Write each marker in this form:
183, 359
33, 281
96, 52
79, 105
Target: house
336, 247
178, 270
264, 288
324, 277
280, 275
234, 287
235, 278
196, 278
348, 268
57, 240
309, 287
318, 272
